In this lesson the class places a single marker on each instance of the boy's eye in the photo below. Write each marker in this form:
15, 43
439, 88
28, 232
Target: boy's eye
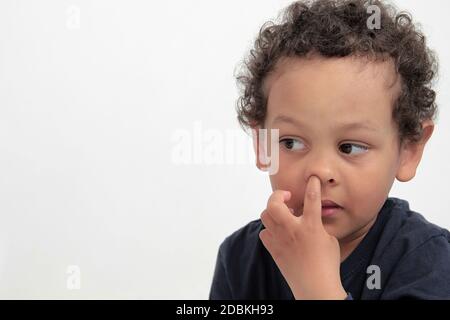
347, 148
292, 144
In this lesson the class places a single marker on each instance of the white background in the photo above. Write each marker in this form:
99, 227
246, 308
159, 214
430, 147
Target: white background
89, 109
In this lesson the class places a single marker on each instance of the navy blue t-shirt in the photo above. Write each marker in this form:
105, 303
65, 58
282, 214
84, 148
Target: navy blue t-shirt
402, 256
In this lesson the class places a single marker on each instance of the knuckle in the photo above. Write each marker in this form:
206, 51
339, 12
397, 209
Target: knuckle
263, 215
276, 195
266, 222
265, 237
273, 206
290, 237
296, 235
263, 234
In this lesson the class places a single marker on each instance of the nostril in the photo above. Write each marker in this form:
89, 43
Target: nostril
331, 180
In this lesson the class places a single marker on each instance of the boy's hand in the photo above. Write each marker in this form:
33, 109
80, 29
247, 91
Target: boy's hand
307, 256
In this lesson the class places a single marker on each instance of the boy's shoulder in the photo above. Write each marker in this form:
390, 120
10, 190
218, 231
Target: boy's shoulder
412, 254
409, 229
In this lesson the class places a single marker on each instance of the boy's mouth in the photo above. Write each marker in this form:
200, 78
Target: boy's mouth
328, 204
329, 208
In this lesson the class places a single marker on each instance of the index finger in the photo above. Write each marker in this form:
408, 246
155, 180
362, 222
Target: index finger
312, 204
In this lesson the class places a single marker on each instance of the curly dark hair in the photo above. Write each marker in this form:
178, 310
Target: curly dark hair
334, 28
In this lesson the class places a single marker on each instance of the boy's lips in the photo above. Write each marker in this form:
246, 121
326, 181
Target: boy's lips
329, 203
329, 208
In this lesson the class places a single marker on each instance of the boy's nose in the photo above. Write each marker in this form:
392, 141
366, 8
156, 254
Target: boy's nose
325, 181
322, 168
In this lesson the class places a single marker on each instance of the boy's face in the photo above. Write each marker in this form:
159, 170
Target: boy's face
335, 121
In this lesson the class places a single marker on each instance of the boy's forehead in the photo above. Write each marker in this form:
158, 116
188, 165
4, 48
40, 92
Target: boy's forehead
343, 124
348, 70
338, 88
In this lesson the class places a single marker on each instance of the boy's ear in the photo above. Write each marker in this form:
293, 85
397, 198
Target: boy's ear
257, 145
411, 153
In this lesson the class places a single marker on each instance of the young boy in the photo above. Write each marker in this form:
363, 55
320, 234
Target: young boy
352, 100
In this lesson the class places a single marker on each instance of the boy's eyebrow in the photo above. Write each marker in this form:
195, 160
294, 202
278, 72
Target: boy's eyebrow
344, 126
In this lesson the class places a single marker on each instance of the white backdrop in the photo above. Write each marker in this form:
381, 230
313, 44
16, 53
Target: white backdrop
96, 98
